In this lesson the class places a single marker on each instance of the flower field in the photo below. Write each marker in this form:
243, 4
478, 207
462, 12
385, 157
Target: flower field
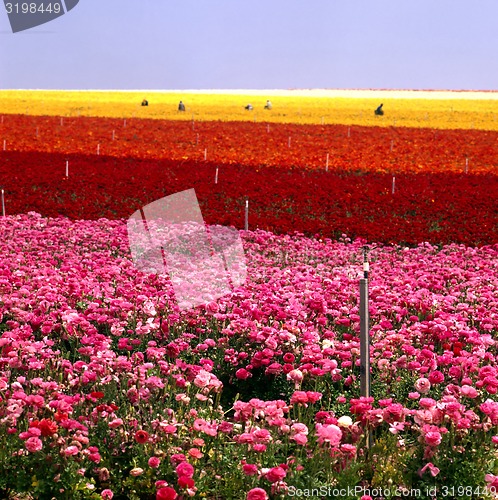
109, 390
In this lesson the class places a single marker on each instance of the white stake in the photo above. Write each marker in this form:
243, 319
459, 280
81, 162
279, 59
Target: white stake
268, 128
67, 168
392, 145
327, 163
113, 134
62, 121
205, 154
246, 224
98, 149
322, 120
216, 176
3, 203
394, 184
466, 165
349, 131
289, 142
124, 122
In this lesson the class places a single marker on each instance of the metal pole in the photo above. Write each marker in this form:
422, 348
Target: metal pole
246, 225
365, 337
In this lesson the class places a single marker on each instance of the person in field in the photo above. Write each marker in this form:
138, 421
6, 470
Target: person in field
181, 106
145, 102
248, 107
268, 105
379, 111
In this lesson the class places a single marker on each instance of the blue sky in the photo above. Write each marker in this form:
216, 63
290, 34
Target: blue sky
257, 44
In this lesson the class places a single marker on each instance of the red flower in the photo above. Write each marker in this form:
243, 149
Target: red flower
47, 427
166, 493
141, 436
185, 482
97, 394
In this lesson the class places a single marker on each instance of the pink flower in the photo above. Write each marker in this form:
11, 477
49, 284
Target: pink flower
331, 434
185, 469
433, 438
299, 397
71, 450
185, 482
154, 462
296, 376
115, 423
436, 377
250, 469
195, 453
469, 391
275, 474
242, 374
432, 469
423, 385
257, 494
107, 494
33, 444
166, 493
492, 481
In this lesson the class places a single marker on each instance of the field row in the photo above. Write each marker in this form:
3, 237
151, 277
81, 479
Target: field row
407, 208
106, 386
306, 147
405, 109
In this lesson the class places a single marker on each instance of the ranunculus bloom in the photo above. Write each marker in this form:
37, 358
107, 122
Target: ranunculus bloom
436, 377
47, 427
432, 469
275, 474
242, 374
71, 450
433, 438
154, 462
257, 494
136, 471
185, 482
423, 385
345, 421
141, 436
329, 434
166, 493
250, 469
107, 494
185, 469
34, 444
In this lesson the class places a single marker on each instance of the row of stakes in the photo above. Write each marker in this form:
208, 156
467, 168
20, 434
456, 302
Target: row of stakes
205, 150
